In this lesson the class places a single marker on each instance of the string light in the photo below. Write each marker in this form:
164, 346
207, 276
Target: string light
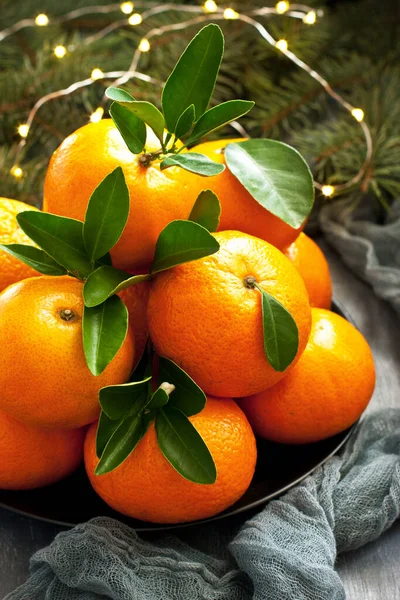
135, 19
282, 7
16, 171
23, 130
97, 115
297, 11
42, 20
144, 45
60, 51
282, 45
328, 190
210, 6
230, 14
127, 7
358, 114
96, 74
310, 18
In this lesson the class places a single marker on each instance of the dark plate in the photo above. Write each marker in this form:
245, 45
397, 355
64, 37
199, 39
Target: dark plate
279, 467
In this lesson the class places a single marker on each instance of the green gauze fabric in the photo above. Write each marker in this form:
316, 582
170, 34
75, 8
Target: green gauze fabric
370, 247
286, 552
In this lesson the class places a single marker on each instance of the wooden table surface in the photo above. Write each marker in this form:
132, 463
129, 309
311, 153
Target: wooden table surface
370, 573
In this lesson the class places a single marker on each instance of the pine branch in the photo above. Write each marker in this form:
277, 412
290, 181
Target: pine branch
356, 47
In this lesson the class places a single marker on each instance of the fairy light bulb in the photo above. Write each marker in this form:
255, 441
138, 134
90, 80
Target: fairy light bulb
358, 114
41, 20
230, 14
97, 115
16, 172
135, 19
23, 130
282, 45
144, 45
310, 17
96, 74
282, 7
60, 51
127, 7
328, 190
210, 6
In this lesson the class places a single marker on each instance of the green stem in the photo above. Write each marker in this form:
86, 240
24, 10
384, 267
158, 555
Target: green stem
168, 137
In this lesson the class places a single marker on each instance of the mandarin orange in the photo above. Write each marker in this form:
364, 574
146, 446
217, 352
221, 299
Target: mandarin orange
44, 377
203, 316
312, 265
239, 209
12, 269
157, 197
32, 457
147, 487
326, 391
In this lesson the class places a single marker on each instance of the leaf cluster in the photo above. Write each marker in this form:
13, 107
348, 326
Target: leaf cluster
81, 249
185, 115
129, 409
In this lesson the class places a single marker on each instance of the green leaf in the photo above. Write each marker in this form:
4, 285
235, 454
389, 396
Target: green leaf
158, 399
132, 129
187, 396
144, 367
107, 281
105, 429
122, 442
206, 210
104, 330
193, 79
60, 237
193, 162
35, 258
281, 336
218, 116
118, 94
182, 241
183, 446
185, 121
276, 175
106, 214
148, 113
116, 400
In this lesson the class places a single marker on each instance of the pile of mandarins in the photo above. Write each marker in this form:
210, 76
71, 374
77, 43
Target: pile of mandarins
204, 315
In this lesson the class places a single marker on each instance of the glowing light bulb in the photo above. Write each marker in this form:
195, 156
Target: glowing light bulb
135, 19
210, 6
282, 45
282, 7
23, 130
96, 74
310, 17
42, 20
358, 114
60, 51
144, 45
327, 190
97, 115
16, 171
127, 7
231, 14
